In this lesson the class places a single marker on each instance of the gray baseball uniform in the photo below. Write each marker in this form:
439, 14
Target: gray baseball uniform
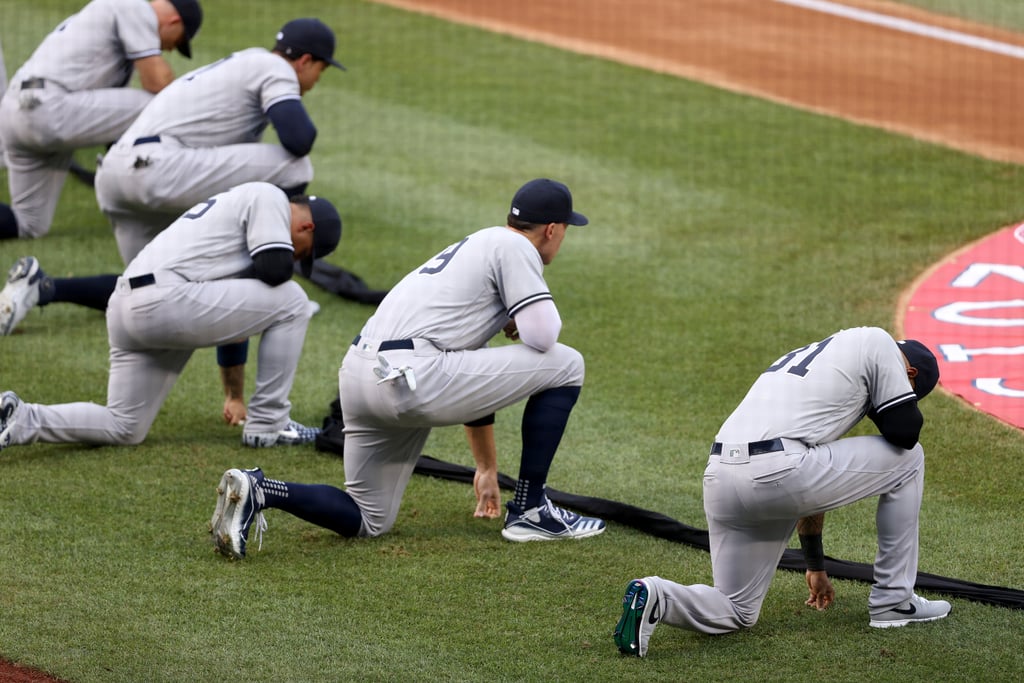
70, 94
444, 312
200, 135
779, 457
184, 291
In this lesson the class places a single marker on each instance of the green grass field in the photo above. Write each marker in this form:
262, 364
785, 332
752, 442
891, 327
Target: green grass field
725, 230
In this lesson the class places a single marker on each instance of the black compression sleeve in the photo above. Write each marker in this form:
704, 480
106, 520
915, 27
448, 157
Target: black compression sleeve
900, 425
273, 266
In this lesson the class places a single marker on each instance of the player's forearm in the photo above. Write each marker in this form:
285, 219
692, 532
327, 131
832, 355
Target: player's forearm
155, 73
810, 526
233, 380
482, 444
809, 529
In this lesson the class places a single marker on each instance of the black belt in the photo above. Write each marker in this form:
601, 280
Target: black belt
142, 281
33, 83
754, 447
390, 344
146, 140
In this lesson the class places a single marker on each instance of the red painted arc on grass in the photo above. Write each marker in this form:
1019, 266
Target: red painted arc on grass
969, 310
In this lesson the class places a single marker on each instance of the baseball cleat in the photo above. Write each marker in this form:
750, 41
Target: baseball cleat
914, 609
293, 434
20, 293
641, 612
547, 523
239, 505
9, 405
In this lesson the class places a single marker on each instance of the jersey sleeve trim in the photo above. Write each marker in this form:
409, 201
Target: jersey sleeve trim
283, 98
143, 54
903, 398
523, 303
272, 245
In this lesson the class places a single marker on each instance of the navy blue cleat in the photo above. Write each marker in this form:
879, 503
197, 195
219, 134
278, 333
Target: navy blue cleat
547, 523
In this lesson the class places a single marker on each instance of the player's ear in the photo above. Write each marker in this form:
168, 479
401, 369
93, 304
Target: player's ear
911, 372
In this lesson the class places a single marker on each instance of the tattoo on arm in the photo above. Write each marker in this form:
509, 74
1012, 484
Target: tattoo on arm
811, 526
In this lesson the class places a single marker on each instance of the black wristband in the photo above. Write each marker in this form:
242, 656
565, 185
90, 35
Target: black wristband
814, 554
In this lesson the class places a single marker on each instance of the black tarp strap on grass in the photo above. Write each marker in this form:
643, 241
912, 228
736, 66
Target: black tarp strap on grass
657, 524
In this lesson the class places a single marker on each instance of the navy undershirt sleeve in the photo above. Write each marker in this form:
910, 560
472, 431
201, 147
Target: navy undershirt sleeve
294, 128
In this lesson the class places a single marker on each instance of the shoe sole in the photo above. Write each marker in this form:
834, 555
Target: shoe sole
8, 421
230, 492
898, 623
627, 631
520, 535
23, 269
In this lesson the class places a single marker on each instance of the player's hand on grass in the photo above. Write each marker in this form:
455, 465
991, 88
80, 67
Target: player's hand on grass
234, 411
822, 591
488, 495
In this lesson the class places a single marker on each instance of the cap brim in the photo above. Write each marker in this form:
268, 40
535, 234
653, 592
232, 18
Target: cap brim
185, 48
337, 64
577, 219
306, 265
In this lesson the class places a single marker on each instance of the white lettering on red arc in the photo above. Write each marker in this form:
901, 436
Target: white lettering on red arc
970, 311
994, 387
956, 313
958, 353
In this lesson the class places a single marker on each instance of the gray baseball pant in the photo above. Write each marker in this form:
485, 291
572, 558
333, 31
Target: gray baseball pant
153, 332
752, 510
387, 424
143, 188
42, 127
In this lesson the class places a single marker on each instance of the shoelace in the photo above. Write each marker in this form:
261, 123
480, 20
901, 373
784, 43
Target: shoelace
557, 512
258, 520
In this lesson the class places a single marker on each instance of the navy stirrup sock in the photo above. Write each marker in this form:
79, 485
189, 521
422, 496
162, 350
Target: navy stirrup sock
544, 420
93, 291
8, 223
319, 504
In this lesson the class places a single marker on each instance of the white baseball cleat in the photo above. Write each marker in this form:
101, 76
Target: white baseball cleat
293, 434
239, 507
914, 609
9, 405
20, 293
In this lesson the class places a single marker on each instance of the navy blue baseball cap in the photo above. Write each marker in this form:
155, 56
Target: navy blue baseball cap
922, 360
543, 201
326, 231
192, 18
307, 36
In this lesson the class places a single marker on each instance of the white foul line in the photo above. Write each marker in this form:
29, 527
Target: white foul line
908, 26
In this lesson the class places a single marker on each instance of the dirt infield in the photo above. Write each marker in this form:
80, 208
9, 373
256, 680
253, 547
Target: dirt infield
963, 97
923, 87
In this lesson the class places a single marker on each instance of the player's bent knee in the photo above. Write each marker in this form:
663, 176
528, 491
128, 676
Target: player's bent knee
128, 432
573, 366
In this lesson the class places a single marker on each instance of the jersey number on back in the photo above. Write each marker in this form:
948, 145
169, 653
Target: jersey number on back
444, 257
800, 369
199, 209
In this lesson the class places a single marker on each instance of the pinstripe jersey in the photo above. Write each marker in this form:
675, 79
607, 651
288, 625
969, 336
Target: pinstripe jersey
223, 103
217, 238
817, 393
465, 295
96, 48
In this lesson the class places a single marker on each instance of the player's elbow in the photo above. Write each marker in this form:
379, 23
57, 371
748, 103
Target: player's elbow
542, 340
539, 325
